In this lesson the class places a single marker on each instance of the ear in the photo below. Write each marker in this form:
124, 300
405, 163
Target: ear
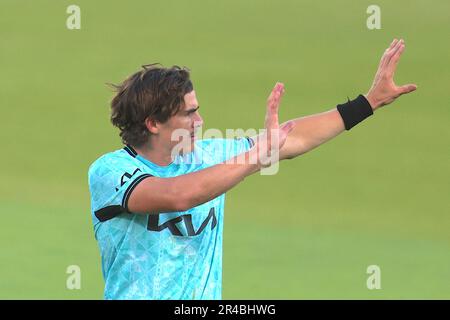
152, 125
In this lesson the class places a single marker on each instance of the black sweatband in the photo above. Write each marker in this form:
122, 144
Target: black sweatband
355, 111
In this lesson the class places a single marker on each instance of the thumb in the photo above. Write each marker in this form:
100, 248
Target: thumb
407, 88
288, 126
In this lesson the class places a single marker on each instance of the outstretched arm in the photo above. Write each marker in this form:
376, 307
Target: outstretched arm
180, 193
314, 130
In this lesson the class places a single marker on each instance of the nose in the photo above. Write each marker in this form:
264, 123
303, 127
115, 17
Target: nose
198, 120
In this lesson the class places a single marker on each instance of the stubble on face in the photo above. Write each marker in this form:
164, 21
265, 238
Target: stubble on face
184, 125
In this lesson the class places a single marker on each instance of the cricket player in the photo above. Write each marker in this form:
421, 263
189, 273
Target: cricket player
158, 214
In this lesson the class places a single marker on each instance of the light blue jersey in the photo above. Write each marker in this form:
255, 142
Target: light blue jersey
174, 255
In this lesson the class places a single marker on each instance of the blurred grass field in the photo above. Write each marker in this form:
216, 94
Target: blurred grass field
378, 195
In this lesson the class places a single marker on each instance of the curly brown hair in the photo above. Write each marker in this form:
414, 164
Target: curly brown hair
154, 92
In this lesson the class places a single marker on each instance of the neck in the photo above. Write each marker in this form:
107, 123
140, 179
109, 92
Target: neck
157, 154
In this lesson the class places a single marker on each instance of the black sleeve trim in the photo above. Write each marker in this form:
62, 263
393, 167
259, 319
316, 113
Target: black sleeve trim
107, 213
131, 187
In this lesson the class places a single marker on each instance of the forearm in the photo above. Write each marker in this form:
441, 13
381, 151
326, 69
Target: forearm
207, 184
154, 194
312, 131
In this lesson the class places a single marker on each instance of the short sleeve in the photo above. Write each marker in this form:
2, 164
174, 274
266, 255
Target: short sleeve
234, 147
223, 149
111, 181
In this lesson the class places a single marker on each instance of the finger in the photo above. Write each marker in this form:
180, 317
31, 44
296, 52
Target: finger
391, 46
385, 54
393, 43
284, 131
270, 103
276, 88
273, 106
288, 126
392, 52
276, 94
394, 60
389, 52
279, 95
407, 88
271, 121
270, 98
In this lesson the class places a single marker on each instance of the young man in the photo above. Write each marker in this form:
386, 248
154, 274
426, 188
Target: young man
158, 214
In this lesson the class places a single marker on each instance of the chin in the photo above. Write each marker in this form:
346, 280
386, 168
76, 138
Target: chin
192, 147
188, 148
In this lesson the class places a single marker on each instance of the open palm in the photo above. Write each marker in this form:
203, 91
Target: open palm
384, 90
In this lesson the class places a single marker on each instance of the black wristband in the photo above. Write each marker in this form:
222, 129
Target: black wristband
355, 111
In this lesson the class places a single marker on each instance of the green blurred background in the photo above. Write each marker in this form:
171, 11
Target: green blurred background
378, 195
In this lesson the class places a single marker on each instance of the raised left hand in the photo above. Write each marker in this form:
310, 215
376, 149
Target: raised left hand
384, 91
